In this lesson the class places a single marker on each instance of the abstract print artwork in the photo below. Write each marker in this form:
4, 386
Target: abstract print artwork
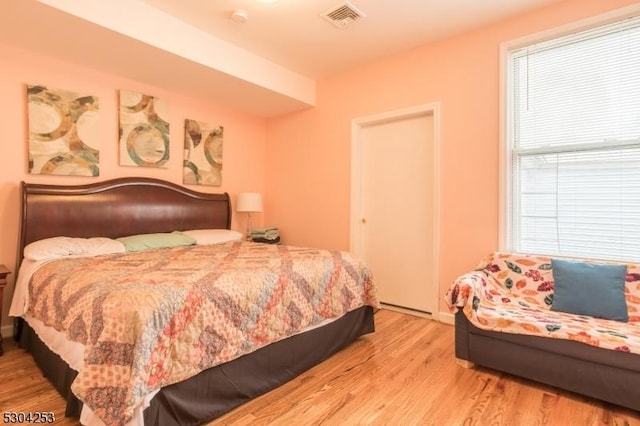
202, 153
144, 130
63, 132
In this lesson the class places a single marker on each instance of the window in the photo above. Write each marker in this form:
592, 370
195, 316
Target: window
573, 154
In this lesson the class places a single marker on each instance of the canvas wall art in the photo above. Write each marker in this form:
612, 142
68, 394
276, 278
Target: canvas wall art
144, 130
202, 153
63, 132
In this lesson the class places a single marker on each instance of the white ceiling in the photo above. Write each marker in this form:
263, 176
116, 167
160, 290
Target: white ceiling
266, 66
292, 33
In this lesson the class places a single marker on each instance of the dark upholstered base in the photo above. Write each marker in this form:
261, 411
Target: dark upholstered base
599, 373
220, 389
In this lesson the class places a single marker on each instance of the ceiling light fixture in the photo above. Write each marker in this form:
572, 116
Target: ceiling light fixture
240, 16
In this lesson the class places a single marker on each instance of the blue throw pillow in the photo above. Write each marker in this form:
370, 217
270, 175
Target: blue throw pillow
591, 289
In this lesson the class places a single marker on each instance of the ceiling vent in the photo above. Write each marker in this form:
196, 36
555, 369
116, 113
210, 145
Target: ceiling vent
343, 14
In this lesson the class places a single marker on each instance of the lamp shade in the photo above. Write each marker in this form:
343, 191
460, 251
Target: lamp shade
249, 202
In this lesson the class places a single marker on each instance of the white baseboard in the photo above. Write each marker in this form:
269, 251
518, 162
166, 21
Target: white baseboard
443, 317
406, 311
446, 318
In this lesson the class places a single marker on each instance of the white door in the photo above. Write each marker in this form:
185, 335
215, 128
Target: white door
396, 200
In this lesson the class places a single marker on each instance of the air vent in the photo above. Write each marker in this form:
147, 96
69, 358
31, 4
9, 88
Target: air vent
343, 14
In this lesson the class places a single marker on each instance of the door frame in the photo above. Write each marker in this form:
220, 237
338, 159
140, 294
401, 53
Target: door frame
357, 140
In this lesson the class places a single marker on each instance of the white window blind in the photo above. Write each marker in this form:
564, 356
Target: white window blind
575, 145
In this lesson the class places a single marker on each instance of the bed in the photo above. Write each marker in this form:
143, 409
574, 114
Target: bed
133, 206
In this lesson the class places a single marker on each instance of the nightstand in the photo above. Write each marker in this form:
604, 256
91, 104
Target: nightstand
4, 271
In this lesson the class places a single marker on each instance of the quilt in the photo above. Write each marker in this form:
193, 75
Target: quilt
512, 293
152, 318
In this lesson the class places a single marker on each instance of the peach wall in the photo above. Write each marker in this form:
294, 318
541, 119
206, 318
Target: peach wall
309, 152
244, 138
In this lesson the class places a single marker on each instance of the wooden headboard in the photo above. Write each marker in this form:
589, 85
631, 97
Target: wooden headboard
117, 208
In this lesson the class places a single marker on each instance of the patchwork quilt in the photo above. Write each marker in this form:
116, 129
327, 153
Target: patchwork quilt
512, 293
156, 317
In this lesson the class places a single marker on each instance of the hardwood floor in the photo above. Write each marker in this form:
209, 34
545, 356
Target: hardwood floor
403, 374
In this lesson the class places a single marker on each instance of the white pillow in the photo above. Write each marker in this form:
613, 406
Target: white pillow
55, 247
213, 236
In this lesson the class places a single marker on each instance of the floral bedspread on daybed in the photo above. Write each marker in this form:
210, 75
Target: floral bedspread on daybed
155, 317
512, 293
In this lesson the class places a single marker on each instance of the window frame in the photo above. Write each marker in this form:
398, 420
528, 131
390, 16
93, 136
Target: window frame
507, 180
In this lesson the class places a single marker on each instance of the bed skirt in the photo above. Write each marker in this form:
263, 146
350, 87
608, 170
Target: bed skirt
218, 390
603, 374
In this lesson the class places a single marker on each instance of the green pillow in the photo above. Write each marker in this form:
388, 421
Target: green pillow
153, 241
591, 289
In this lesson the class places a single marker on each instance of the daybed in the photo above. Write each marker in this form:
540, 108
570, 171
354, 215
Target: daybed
503, 321
178, 334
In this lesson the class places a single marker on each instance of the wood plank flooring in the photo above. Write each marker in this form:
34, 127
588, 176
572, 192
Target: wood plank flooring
403, 374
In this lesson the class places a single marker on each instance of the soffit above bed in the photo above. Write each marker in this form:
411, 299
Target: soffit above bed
136, 41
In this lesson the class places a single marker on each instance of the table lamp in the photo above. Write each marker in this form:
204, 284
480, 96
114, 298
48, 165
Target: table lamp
249, 202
